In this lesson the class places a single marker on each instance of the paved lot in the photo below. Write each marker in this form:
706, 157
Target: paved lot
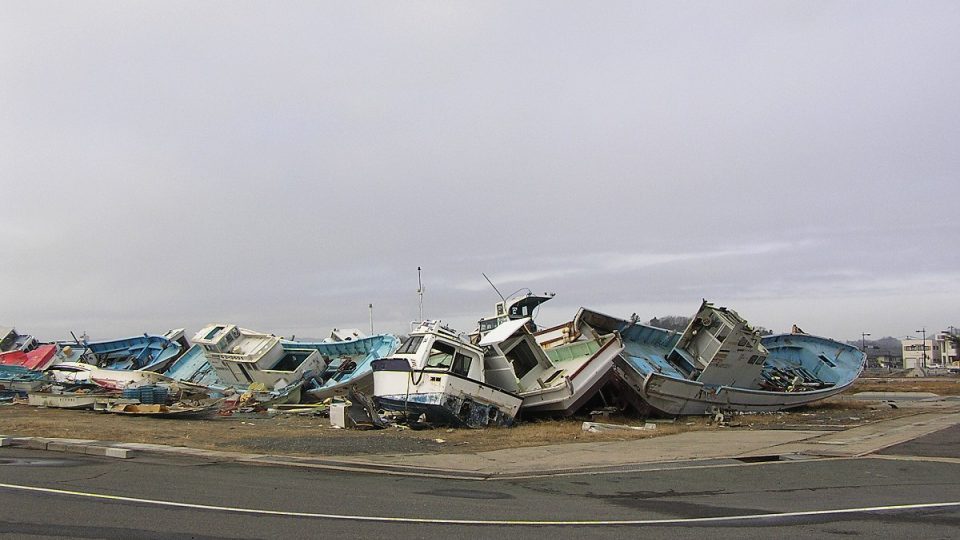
943, 443
349, 499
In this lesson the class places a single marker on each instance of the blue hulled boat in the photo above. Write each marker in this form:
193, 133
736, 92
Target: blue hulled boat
720, 363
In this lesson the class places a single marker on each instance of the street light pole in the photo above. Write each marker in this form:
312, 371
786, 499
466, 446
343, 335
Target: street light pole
863, 340
924, 347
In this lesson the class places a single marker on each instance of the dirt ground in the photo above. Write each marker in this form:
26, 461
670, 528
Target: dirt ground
943, 386
312, 435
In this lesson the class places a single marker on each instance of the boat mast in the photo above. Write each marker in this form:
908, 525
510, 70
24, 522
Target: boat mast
420, 292
371, 319
494, 286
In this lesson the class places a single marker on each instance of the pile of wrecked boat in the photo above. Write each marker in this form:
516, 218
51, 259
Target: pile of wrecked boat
505, 370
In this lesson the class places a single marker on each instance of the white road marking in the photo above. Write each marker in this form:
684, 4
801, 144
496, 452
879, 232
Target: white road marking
390, 519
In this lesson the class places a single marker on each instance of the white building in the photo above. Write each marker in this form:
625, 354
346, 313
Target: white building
948, 349
920, 353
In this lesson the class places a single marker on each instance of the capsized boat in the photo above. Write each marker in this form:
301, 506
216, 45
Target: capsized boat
438, 375
79, 373
193, 369
37, 359
348, 358
11, 340
19, 380
147, 352
721, 363
554, 371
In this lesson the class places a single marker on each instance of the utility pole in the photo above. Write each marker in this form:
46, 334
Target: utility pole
924, 347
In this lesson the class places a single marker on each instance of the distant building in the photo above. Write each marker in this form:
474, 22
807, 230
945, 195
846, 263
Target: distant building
892, 361
920, 352
949, 355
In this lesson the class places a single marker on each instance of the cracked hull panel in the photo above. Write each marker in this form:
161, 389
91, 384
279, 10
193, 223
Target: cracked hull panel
445, 409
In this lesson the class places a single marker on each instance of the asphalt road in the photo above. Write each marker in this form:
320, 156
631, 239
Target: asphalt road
943, 443
231, 501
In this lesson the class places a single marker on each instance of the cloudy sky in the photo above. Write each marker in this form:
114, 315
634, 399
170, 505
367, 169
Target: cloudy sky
281, 165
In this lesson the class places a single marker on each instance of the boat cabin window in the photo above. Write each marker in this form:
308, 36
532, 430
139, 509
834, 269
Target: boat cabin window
488, 324
441, 355
522, 359
216, 330
517, 312
722, 332
411, 345
461, 364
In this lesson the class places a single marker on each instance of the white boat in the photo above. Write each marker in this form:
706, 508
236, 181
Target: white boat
558, 378
63, 401
113, 379
511, 309
720, 363
438, 375
11, 340
243, 357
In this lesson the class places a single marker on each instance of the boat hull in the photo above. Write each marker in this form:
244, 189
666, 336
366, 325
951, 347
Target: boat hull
798, 369
683, 397
63, 401
444, 398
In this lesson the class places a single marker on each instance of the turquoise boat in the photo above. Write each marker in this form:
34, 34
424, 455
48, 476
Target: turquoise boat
348, 363
720, 363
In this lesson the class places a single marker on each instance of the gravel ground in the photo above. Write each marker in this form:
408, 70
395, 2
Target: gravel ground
313, 436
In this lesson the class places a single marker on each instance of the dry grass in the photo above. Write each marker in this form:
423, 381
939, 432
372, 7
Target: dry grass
312, 435
944, 386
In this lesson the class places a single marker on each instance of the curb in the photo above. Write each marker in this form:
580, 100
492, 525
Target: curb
130, 450
73, 446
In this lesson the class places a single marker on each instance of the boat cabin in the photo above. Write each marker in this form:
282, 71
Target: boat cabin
435, 347
514, 361
719, 347
512, 309
10, 340
242, 357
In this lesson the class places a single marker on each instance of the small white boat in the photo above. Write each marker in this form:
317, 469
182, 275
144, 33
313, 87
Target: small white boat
438, 375
63, 401
113, 379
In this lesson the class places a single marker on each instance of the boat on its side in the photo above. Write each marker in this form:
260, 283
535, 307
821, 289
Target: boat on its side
552, 375
721, 363
147, 352
11, 340
37, 359
79, 373
438, 375
19, 380
348, 362
194, 370
243, 357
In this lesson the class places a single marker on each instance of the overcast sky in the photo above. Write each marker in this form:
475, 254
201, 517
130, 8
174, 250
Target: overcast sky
281, 165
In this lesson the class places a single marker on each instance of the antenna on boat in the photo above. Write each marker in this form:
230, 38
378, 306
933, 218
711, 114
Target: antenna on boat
420, 292
371, 319
494, 286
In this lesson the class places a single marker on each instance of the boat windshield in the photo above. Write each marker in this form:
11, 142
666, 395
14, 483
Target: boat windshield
441, 355
411, 345
461, 364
